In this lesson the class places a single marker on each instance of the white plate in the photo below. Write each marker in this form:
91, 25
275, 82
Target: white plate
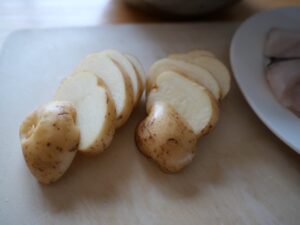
247, 60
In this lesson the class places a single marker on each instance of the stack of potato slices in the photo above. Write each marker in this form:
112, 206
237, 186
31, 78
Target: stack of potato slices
94, 101
183, 92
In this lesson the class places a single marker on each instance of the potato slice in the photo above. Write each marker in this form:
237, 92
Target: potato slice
49, 140
192, 54
139, 71
166, 138
191, 71
96, 113
191, 100
126, 67
215, 67
118, 84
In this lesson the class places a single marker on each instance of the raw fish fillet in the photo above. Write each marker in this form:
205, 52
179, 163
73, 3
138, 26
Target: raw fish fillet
284, 80
282, 43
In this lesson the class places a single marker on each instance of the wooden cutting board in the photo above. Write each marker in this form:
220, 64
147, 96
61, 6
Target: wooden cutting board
242, 173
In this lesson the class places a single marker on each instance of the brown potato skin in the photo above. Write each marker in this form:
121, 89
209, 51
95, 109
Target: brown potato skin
49, 139
166, 138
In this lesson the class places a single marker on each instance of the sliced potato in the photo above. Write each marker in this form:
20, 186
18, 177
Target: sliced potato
118, 84
49, 140
126, 67
192, 54
191, 100
215, 67
166, 138
191, 71
96, 113
139, 71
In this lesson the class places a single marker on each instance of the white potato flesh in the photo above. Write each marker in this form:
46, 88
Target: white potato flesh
191, 100
191, 71
192, 54
216, 68
139, 72
95, 108
126, 67
119, 87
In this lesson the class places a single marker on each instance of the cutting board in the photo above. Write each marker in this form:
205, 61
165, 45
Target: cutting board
242, 174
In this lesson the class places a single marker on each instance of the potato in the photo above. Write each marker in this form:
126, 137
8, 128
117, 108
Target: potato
189, 70
118, 83
127, 69
215, 67
192, 101
95, 108
166, 138
49, 139
139, 71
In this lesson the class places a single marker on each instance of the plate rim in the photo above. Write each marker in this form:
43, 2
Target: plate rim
250, 100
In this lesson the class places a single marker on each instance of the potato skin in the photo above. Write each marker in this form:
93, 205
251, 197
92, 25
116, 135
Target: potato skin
166, 138
49, 139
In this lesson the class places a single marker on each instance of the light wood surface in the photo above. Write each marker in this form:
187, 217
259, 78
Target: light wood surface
242, 173
20, 14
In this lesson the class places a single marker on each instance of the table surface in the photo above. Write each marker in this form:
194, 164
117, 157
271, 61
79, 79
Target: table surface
18, 14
